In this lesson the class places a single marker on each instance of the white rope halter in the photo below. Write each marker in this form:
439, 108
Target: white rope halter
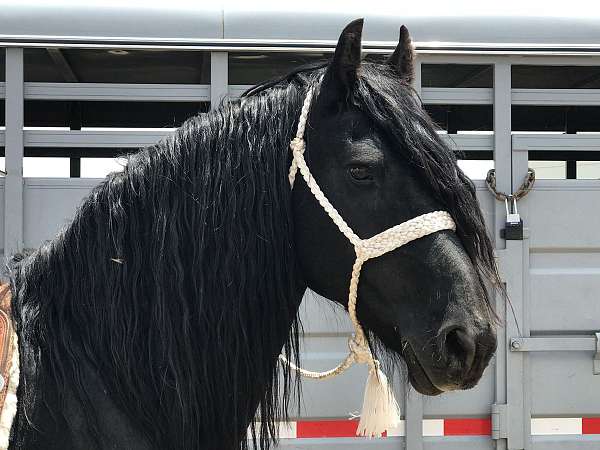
380, 409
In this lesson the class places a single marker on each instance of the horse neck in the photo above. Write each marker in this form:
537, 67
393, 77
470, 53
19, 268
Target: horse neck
176, 282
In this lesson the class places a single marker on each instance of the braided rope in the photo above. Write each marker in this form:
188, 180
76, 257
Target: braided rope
341, 367
365, 249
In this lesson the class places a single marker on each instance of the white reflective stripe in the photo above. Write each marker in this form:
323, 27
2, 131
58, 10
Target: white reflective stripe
287, 430
399, 430
551, 426
433, 427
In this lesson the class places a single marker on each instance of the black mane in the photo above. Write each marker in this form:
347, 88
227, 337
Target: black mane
180, 267
188, 252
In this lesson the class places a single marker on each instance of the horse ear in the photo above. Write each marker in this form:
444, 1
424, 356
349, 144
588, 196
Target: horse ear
403, 58
342, 72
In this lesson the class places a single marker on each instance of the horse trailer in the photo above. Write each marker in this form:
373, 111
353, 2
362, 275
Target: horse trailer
512, 88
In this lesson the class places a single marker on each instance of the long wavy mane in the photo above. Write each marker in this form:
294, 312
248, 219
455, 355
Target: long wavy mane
177, 279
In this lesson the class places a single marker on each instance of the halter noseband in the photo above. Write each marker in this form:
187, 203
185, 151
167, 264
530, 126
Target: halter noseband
380, 409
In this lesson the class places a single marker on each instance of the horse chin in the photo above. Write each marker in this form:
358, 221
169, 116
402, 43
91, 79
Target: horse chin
417, 375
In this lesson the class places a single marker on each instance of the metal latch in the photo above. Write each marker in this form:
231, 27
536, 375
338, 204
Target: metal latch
499, 421
560, 344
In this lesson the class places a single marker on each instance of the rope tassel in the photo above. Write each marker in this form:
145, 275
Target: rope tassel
380, 410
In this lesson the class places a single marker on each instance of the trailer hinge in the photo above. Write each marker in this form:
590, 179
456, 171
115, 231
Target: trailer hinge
499, 421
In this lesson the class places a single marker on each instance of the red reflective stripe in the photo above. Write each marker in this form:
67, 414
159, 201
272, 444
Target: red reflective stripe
590, 425
326, 428
468, 427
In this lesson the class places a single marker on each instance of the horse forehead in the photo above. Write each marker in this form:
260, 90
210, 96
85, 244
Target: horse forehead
348, 134
346, 120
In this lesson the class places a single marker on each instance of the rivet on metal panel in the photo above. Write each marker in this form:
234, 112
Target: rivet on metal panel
597, 355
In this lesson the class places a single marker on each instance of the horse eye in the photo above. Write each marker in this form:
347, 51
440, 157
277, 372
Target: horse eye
360, 173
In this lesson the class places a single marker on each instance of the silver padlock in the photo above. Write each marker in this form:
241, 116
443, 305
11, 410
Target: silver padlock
512, 217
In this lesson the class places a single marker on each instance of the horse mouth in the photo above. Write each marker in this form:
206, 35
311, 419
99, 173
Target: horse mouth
417, 375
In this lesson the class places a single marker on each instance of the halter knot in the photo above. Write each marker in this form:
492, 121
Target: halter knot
297, 144
361, 351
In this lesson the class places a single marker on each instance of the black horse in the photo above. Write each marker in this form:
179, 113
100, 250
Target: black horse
155, 319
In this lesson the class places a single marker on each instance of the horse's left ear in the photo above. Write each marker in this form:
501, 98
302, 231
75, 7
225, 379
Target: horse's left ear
403, 58
342, 72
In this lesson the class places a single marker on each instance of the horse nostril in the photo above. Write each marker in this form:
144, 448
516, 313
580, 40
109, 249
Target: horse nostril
460, 346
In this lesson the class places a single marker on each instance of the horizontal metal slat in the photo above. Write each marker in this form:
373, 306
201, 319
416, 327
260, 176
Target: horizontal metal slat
201, 93
553, 344
108, 138
434, 96
118, 92
556, 97
469, 142
484, 96
555, 142
560, 344
457, 96
140, 138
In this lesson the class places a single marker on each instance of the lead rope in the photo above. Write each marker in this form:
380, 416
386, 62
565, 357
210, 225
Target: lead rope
380, 410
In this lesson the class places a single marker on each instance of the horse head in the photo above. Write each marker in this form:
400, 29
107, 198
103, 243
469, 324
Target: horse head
377, 157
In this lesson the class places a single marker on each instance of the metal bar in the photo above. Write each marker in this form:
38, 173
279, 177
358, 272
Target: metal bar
556, 142
553, 344
13, 184
118, 92
441, 48
105, 139
457, 96
530, 60
413, 419
201, 93
502, 164
431, 96
502, 139
556, 97
219, 77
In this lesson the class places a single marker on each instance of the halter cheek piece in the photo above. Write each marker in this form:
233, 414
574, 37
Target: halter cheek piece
380, 409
